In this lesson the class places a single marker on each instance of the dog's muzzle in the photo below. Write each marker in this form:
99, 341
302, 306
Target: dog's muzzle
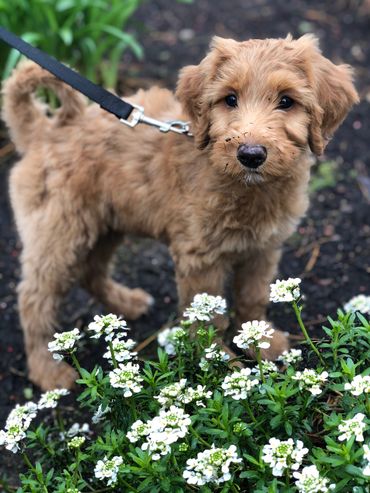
251, 156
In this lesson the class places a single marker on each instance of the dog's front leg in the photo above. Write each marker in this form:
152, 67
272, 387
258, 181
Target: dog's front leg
253, 276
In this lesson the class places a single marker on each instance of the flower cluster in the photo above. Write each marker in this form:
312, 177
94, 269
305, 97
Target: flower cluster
50, 398
213, 353
311, 380
122, 349
126, 377
354, 426
359, 385
290, 357
204, 307
310, 481
108, 469
16, 426
176, 393
255, 334
359, 303
285, 291
64, 343
161, 431
211, 466
170, 338
76, 442
239, 384
108, 326
100, 413
268, 367
281, 455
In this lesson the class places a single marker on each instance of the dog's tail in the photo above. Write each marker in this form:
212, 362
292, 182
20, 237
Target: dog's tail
26, 116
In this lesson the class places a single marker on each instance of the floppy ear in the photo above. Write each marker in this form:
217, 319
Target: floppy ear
334, 93
192, 87
189, 92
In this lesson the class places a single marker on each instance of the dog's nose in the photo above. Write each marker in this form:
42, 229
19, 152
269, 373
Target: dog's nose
251, 156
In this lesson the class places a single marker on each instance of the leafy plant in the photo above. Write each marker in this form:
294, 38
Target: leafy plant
87, 34
191, 421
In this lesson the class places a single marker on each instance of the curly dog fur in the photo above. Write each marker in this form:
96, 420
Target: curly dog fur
84, 181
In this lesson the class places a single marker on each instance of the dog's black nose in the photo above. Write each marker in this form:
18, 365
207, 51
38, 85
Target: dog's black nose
251, 156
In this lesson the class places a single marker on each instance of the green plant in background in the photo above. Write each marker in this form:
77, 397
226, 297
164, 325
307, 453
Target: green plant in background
88, 35
325, 175
190, 421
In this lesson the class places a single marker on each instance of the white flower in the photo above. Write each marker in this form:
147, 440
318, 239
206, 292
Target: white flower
215, 353
138, 430
170, 393
204, 307
64, 342
359, 303
211, 466
267, 368
254, 334
50, 398
16, 425
12, 436
22, 415
126, 377
354, 426
100, 413
310, 380
161, 431
198, 395
121, 349
366, 470
310, 481
107, 325
359, 385
239, 384
285, 291
281, 455
108, 469
76, 442
76, 429
170, 338
290, 357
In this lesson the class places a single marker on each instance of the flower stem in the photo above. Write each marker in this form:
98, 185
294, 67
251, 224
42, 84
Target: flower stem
115, 364
76, 363
259, 361
249, 411
196, 434
297, 312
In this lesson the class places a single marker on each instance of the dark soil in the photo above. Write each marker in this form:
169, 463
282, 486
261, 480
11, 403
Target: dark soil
331, 249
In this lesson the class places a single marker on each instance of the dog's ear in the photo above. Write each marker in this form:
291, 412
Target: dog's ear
334, 93
192, 87
189, 91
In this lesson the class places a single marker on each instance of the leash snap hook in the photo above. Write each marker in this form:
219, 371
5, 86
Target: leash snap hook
137, 116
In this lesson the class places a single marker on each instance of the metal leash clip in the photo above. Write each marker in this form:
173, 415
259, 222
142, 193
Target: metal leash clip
137, 116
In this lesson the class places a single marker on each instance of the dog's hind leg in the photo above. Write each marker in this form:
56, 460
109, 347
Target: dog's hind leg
130, 303
46, 278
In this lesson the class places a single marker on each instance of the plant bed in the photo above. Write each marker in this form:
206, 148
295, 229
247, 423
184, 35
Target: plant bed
193, 421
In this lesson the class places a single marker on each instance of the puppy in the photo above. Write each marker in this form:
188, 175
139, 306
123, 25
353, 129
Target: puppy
224, 200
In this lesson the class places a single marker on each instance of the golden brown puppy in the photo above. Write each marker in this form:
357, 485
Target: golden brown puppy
223, 201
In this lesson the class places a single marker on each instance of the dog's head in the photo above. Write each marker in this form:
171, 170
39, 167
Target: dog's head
260, 104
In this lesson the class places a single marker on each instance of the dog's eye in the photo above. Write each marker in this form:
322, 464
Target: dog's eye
231, 100
285, 103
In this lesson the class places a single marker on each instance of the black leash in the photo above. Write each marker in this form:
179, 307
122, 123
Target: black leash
105, 99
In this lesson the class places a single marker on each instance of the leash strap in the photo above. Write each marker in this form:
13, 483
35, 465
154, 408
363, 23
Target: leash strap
129, 114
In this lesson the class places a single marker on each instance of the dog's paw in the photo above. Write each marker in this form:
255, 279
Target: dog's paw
278, 344
49, 374
138, 304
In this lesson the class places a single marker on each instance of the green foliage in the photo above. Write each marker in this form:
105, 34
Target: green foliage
86, 34
277, 407
324, 176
